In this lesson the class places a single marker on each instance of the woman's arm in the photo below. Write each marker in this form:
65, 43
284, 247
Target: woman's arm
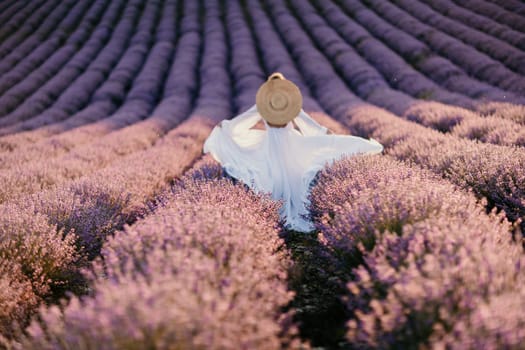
308, 126
242, 122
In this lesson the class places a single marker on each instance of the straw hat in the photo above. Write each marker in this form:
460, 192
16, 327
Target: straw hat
278, 100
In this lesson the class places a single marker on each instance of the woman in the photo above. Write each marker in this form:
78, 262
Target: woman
283, 158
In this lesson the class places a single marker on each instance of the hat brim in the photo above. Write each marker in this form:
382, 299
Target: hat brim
289, 97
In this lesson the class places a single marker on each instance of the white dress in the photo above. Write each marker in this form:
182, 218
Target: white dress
281, 161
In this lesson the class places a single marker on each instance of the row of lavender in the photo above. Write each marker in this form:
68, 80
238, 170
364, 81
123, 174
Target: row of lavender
59, 48
499, 50
420, 55
472, 61
507, 12
402, 76
480, 22
102, 86
13, 14
42, 16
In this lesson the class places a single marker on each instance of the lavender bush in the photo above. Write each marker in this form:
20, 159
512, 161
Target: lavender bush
17, 299
207, 263
409, 244
490, 171
509, 111
36, 261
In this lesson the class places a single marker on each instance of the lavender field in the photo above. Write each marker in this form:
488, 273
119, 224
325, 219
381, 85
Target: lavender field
117, 232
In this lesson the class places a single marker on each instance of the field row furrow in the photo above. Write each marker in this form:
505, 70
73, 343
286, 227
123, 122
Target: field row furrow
50, 52
482, 23
421, 56
399, 73
244, 65
11, 9
485, 8
28, 36
18, 15
86, 100
72, 108
42, 88
469, 59
515, 6
509, 55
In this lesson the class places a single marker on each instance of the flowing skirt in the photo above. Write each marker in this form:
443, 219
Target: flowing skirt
281, 161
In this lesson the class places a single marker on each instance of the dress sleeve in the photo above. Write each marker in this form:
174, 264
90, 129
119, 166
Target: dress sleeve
308, 126
242, 122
